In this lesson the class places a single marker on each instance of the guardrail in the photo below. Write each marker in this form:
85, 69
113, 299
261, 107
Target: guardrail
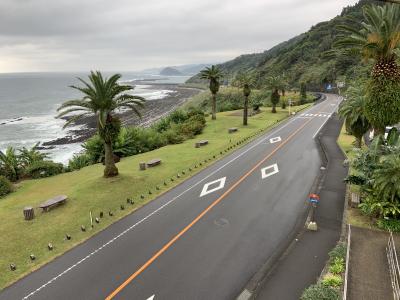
394, 268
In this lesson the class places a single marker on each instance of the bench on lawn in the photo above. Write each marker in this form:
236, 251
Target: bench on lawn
201, 143
46, 206
232, 130
154, 162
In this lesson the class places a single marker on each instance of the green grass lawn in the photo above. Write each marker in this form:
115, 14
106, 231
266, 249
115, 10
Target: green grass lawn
89, 191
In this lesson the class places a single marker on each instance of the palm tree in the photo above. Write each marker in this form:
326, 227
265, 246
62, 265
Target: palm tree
274, 83
386, 178
28, 156
246, 82
352, 110
10, 164
379, 40
102, 97
214, 75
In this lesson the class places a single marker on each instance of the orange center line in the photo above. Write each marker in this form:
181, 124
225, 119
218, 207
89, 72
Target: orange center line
184, 230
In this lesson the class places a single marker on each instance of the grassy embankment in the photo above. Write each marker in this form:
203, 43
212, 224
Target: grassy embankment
89, 191
354, 215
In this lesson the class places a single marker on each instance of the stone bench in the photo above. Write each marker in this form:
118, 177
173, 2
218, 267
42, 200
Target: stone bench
46, 206
232, 130
153, 162
201, 143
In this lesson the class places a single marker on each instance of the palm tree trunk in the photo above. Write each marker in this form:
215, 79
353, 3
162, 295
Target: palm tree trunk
245, 110
110, 169
214, 106
358, 142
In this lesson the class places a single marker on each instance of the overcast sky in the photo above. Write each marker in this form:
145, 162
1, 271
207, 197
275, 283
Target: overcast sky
126, 35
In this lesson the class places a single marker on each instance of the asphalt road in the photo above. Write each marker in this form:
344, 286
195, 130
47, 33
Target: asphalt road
197, 241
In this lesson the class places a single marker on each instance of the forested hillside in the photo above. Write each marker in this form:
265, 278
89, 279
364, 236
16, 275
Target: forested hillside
305, 58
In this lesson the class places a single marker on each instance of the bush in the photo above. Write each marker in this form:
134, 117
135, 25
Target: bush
5, 186
320, 291
338, 252
40, 169
332, 280
173, 136
389, 225
79, 161
337, 266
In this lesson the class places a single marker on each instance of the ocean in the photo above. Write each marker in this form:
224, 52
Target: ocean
28, 104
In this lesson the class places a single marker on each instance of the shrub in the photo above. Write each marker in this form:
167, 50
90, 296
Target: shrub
40, 169
173, 136
389, 224
78, 161
337, 266
320, 291
178, 116
332, 280
338, 252
5, 186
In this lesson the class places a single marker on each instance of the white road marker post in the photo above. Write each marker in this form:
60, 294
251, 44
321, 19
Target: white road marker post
91, 219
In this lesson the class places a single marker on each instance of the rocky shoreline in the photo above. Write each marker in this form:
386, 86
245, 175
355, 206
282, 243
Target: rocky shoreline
153, 110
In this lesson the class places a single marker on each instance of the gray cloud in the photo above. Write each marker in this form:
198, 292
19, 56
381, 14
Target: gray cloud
72, 35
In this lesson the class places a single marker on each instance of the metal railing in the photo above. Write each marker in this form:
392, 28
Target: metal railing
394, 269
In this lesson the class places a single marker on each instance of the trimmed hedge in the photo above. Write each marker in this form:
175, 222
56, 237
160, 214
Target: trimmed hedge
5, 186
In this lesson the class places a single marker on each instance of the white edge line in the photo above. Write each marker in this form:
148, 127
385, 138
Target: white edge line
262, 139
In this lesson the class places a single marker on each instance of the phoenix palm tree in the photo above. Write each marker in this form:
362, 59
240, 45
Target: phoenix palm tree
378, 38
102, 98
214, 75
245, 81
352, 110
275, 84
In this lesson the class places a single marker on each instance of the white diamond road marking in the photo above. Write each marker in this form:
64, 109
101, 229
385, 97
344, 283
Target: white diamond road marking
265, 174
221, 185
275, 139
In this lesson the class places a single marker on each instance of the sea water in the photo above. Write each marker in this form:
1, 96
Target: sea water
29, 102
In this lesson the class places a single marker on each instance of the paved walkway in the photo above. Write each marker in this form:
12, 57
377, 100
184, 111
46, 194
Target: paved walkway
369, 277
302, 264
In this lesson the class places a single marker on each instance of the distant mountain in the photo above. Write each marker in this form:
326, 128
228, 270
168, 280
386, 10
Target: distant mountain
169, 71
185, 70
304, 58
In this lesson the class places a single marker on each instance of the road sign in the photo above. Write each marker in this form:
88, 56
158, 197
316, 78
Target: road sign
314, 198
329, 86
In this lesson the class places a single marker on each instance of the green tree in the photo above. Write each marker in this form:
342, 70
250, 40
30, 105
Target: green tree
10, 164
214, 75
275, 84
379, 40
245, 81
353, 112
303, 93
102, 97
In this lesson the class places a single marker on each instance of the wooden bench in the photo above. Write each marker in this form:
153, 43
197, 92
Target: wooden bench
232, 130
153, 162
201, 143
46, 206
